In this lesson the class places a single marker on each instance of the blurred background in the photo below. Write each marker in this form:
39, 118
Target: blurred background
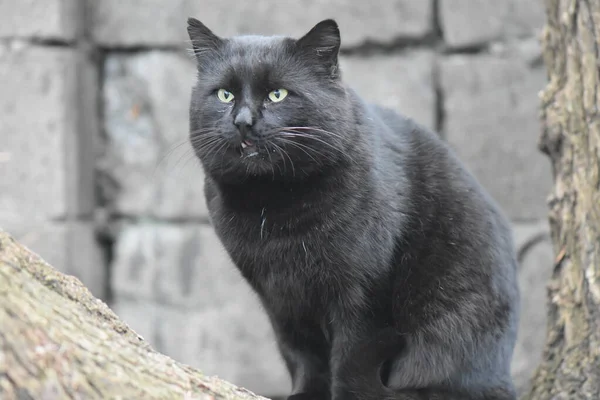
96, 174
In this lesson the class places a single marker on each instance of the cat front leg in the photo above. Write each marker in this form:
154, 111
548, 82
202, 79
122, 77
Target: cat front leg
359, 363
309, 372
306, 354
358, 356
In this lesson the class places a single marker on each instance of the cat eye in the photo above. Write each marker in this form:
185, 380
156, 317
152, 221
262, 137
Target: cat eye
225, 96
277, 95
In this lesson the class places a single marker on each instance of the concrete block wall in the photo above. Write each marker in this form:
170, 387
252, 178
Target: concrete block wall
97, 176
48, 121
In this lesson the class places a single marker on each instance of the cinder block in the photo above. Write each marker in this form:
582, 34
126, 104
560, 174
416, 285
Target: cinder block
44, 19
176, 286
402, 82
70, 247
536, 267
173, 264
45, 168
491, 107
473, 22
135, 22
148, 155
232, 340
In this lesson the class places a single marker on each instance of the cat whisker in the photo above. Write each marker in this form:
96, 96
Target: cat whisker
302, 147
271, 163
283, 159
205, 138
219, 146
284, 153
224, 151
312, 128
291, 161
212, 146
176, 168
200, 138
186, 159
164, 164
312, 137
206, 129
208, 142
168, 153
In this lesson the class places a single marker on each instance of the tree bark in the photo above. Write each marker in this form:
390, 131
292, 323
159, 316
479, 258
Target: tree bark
571, 138
59, 342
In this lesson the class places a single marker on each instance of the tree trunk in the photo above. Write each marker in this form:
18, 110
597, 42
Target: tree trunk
571, 137
58, 342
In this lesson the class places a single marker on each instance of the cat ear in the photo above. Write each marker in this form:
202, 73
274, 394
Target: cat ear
323, 43
203, 39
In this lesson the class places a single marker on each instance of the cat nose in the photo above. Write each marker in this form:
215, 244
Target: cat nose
243, 120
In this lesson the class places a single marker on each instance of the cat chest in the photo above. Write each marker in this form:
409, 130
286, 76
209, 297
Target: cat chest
296, 271
296, 268
282, 269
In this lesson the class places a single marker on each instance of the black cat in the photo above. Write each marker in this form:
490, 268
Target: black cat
386, 270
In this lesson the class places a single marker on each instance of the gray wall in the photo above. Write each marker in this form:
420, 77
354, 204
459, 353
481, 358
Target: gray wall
96, 174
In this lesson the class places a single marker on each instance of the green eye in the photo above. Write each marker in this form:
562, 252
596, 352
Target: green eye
225, 96
277, 95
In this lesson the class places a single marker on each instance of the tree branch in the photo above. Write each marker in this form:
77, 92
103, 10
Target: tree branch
59, 342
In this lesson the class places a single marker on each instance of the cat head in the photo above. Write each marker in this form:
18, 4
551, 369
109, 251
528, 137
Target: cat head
268, 106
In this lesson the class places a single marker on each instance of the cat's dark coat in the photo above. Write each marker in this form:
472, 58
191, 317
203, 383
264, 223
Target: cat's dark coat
377, 256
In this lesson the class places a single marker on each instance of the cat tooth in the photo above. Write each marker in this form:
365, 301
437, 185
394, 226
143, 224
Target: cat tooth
244, 145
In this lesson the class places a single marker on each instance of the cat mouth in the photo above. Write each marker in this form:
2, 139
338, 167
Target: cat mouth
248, 148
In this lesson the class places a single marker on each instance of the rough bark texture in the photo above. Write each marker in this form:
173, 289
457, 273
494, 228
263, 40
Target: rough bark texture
59, 342
571, 138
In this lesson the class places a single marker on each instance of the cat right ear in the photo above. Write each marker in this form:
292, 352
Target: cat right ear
203, 39
322, 43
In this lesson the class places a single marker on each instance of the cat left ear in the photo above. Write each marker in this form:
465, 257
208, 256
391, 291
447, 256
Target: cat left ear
203, 39
323, 43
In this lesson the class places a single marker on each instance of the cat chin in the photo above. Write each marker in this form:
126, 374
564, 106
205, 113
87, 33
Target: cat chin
256, 163
246, 162
238, 163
